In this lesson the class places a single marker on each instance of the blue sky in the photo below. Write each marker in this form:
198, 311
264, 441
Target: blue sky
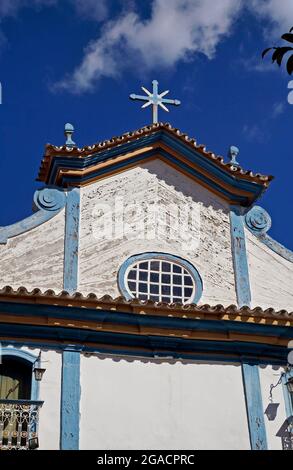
78, 60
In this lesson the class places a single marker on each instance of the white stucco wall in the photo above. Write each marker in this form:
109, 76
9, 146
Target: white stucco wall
269, 376
139, 189
35, 258
144, 405
271, 276
50, 393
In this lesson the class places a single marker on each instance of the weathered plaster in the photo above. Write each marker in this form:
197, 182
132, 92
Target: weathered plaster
35, 258
271, 276
155, 183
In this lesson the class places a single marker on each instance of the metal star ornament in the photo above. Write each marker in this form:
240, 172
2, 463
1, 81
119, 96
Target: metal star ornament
155, 99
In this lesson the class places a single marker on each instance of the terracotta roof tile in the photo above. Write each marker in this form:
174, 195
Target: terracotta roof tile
93, 301
52, 150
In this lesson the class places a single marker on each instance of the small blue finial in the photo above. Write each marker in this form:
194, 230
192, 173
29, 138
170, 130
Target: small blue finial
232, 154
68, 131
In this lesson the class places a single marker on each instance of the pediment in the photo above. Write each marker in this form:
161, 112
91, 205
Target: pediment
67, 167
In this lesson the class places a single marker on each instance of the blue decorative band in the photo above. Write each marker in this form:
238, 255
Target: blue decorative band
259, 222
71, 245
70, 399
149, 345
48, 202
239, 255
253, 189
57, 338
254, 407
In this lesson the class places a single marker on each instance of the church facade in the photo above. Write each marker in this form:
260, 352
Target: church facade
146, 285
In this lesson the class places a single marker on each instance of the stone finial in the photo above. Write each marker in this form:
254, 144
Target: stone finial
232, 154
68, 131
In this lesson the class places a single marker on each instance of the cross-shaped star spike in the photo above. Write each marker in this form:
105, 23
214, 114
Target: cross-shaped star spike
154, 99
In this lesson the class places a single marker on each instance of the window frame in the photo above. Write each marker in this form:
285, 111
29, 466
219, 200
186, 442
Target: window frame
29, 359
128, 264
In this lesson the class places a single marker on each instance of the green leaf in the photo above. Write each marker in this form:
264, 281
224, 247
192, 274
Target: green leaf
288, 37
276, 56
290, 65
279, 54
266, 50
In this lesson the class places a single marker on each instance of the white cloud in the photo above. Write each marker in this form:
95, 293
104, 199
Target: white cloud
278, 109
259, 132
91, 9
176, 30
279, 14
11, 7
255, 133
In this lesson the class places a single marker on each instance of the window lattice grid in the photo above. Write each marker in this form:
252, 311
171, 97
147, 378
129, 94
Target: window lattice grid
160, 281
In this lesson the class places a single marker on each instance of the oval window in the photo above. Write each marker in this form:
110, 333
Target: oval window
160, 278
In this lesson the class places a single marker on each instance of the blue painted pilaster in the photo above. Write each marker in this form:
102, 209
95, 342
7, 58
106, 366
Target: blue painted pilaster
70, 278
70, 381
254, 407
70, 400
239, 255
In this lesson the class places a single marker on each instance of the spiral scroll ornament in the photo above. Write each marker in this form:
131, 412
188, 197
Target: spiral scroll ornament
258, 220
49, 199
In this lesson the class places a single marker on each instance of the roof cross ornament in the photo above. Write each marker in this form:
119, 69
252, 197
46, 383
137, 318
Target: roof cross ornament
155, 99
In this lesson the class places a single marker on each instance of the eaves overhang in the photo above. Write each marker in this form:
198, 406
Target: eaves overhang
67, 167
148, 329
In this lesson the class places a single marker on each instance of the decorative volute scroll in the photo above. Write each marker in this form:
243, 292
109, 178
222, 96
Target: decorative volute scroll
49, 199
259, 222
48, 202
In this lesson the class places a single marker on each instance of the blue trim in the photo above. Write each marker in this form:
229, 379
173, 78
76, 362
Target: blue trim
192, 155
71, 242
144, 345
202, 350
258, 222
239, 255
105, 316
142, 157
254, 407
48, 202
286, 394
164, 256
70, 400
29, 357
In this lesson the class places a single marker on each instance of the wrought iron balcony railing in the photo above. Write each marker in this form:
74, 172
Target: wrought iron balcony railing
19, 420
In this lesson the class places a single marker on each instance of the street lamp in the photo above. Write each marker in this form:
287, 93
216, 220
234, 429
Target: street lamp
290, 385
37, 370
